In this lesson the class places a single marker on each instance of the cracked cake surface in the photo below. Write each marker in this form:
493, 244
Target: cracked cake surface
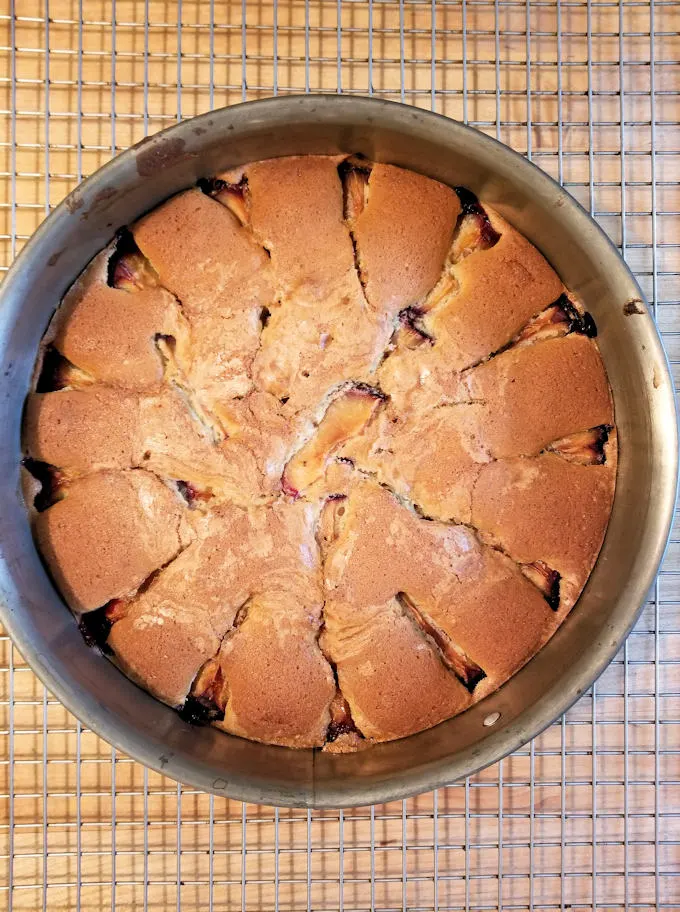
320, 452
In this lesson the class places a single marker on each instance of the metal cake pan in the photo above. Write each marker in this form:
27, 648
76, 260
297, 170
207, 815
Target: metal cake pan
99, 695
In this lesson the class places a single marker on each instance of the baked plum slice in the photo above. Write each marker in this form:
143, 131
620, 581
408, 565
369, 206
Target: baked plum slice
546, 580
474, 230
192, 494
354, 176
129, 270
96, 625
560, 319
346, 416
207, 700
411, 334
584, 448
232, 195
456, 660
341, 722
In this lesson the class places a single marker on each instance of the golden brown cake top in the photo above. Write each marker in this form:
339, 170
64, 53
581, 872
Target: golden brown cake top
320, 452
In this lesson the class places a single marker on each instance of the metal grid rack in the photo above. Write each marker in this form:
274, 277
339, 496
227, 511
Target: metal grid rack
587, 815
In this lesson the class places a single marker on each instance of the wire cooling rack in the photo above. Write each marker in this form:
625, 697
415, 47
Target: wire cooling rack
589, 814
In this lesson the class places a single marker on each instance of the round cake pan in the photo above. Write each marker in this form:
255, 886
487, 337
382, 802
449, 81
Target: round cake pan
101, 696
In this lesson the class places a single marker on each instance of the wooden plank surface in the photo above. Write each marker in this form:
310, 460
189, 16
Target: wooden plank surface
589, 814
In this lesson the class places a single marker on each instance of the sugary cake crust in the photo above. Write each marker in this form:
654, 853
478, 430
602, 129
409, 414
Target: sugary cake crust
403, 236
321, 452
110, 334
512, 274
108, 534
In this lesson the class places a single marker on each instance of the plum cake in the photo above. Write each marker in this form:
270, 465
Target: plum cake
320, 451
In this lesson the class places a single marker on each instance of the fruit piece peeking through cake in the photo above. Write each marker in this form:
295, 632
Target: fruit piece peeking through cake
345, 416
474, 230
410, 335
341, 718
355, 185
585, 448
545, 579
232, 195
208, 696
129, 270
95, 626
468, 672
342, 735
559, 319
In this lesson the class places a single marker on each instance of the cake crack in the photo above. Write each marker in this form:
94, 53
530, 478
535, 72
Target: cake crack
342, 731
355, 179
208, 695
95, 626
57, 373
452, 656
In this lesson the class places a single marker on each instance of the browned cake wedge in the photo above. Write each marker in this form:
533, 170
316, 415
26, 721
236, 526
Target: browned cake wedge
497, 290
221, 276
107, 552
204, 256
162, 648
402, 231
546, 509
278, 682
101, 428
536, 394
320, 331
320, 451
110, 334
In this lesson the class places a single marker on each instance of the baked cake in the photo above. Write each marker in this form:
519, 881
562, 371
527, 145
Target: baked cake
320, 451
